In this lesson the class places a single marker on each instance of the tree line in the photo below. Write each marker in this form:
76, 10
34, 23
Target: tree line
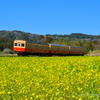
6, 43
89, 45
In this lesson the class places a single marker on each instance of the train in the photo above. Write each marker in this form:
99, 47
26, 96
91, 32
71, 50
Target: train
25, 48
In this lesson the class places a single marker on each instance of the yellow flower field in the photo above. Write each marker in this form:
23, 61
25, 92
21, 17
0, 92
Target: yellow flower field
50, 78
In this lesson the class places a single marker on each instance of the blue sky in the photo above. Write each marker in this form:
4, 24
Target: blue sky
51, 16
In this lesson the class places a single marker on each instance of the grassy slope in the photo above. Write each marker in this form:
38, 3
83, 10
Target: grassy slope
93, 52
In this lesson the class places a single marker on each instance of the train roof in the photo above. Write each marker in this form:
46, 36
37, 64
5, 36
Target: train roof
36, 42
76, 47
65, 46
59, 45
51, 44
32, 42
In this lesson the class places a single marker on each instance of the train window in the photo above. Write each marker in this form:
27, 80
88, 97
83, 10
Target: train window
36, 46
27, 45
15, 44
19, 44
30, 45
33, 46
22, 45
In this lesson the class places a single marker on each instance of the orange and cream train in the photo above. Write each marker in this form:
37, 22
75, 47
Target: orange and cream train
26, 48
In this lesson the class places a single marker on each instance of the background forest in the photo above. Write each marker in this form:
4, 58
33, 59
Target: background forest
90, 42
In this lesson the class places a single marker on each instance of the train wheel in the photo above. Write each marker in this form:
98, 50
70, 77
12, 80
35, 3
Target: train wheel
26, 54
18, 54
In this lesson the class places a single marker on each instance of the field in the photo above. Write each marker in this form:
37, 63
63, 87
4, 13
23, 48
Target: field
50, 78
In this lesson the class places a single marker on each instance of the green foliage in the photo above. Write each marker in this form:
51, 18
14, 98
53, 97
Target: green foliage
6, 43
40, 37
89, 46
94, 52
80, 35
48, 39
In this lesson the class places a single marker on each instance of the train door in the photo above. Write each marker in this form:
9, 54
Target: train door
19, 45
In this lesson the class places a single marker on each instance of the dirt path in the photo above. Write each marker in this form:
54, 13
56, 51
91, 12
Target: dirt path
97, 54
8, 55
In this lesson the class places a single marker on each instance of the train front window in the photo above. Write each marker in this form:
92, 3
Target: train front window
15, 44
19, 44
22, 44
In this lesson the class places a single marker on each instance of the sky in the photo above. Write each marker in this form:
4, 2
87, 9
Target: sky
51, 16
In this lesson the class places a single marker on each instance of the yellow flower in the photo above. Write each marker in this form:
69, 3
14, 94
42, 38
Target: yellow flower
37, 96
67, 87
31, 98
2, 92
79, 88
9, 92
80, 99
26, 99
57, 93
33, 94
73, 96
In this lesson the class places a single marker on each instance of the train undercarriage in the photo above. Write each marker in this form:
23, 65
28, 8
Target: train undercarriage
46, 54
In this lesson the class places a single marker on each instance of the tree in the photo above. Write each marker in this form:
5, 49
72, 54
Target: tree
48, 39
40, 37
72, 43
67, 42
89, 46
10, 44
61, 41
79, 43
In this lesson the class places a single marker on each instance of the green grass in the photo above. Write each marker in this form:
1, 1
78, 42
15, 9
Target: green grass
94, 52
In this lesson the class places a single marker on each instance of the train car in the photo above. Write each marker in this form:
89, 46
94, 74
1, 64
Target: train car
74, 50
59, 49
37, 48
66, 50
19, 46
26, 48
